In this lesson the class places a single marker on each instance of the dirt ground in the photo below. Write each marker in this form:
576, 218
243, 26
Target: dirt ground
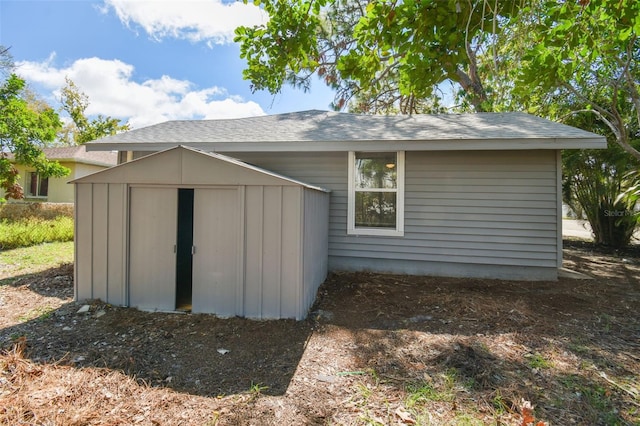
376, 349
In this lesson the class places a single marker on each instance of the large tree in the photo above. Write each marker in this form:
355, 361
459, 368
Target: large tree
390, 55
82, 129
586, 51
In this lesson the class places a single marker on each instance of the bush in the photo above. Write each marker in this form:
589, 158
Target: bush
32, 231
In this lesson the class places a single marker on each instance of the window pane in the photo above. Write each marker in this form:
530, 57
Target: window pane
43, 191
376, 170
33, 184
375, 209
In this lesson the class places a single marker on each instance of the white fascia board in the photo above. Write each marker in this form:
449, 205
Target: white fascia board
337, 146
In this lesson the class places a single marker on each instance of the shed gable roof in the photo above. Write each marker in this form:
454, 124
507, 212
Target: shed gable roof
183, 165
321, 130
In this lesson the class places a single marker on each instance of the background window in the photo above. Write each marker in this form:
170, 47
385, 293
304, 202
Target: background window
38, 185
375, 193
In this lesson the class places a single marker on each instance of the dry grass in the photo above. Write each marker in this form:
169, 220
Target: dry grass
63, 395
45, 211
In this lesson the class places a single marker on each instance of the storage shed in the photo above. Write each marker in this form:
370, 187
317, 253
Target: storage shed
186, 230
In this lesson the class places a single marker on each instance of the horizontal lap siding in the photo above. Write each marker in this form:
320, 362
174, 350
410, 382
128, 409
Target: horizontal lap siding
486, 208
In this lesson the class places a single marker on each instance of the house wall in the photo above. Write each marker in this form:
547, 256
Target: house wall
479, 214
59, 189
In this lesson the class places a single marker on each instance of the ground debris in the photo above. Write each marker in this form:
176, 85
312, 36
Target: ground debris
398, 350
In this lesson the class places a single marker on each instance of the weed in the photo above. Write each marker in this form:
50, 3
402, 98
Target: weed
424, 392
537, 361
256, 389
499, 404
32, 231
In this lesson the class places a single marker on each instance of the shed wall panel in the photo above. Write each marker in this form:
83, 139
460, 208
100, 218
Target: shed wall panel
513, 197
100, 240
83, 241
315, 245
254, 230
216, 241
117, 226
291, 253
272, 251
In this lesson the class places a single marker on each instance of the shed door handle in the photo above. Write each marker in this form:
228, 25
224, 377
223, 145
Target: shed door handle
193, 250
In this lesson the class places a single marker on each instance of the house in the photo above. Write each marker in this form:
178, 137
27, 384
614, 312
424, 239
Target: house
468, 195
54, 189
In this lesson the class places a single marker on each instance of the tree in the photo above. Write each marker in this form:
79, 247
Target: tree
24, 130
587, 50
392, 55
82, 129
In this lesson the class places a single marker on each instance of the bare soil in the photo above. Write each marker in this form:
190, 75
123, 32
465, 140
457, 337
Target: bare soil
376, 349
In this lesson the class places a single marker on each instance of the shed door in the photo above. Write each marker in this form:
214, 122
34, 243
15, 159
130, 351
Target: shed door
216, 238
152, 261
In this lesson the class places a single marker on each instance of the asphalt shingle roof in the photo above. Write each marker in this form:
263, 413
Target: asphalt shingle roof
317, 126
79, 154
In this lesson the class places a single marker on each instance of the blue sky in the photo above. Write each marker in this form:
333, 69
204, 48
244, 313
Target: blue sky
145, 61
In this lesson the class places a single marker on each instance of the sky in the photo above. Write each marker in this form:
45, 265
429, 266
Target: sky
144, 61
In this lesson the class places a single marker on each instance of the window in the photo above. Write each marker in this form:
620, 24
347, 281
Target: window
376, 193
38, 186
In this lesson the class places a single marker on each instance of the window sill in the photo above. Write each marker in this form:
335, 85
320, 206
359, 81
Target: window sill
375, 232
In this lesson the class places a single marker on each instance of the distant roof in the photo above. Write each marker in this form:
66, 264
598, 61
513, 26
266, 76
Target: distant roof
79, 154
324, 131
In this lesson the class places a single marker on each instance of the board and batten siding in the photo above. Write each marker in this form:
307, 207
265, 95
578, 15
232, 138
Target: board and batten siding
487, 214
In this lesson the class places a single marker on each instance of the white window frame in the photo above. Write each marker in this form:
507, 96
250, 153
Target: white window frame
351, 200
39, 179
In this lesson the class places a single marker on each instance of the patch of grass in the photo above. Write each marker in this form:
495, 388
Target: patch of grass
40, 312
31, 231
538, 361
29, 260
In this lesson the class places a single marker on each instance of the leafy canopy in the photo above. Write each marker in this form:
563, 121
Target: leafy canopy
393, 53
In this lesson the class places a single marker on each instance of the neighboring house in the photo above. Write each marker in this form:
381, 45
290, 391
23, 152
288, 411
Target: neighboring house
471, 195
56, 190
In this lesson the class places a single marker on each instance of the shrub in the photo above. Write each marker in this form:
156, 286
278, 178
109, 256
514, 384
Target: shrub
32, 231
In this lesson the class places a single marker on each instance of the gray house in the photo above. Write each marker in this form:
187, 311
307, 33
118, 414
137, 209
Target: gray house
474, 195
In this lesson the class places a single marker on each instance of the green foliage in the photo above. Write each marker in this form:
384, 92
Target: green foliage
586, 52
24, 130
32, 231
393, 53
83, 130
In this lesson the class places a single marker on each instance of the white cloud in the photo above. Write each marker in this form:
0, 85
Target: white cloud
112, 91
212, 21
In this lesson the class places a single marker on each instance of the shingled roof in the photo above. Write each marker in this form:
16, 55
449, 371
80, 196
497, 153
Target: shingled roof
322, 130
79, 154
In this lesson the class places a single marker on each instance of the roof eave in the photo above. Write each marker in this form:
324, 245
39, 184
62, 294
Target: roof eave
364, 145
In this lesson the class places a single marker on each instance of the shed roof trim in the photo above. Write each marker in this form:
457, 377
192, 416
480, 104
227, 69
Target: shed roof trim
98, 177
321, 129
